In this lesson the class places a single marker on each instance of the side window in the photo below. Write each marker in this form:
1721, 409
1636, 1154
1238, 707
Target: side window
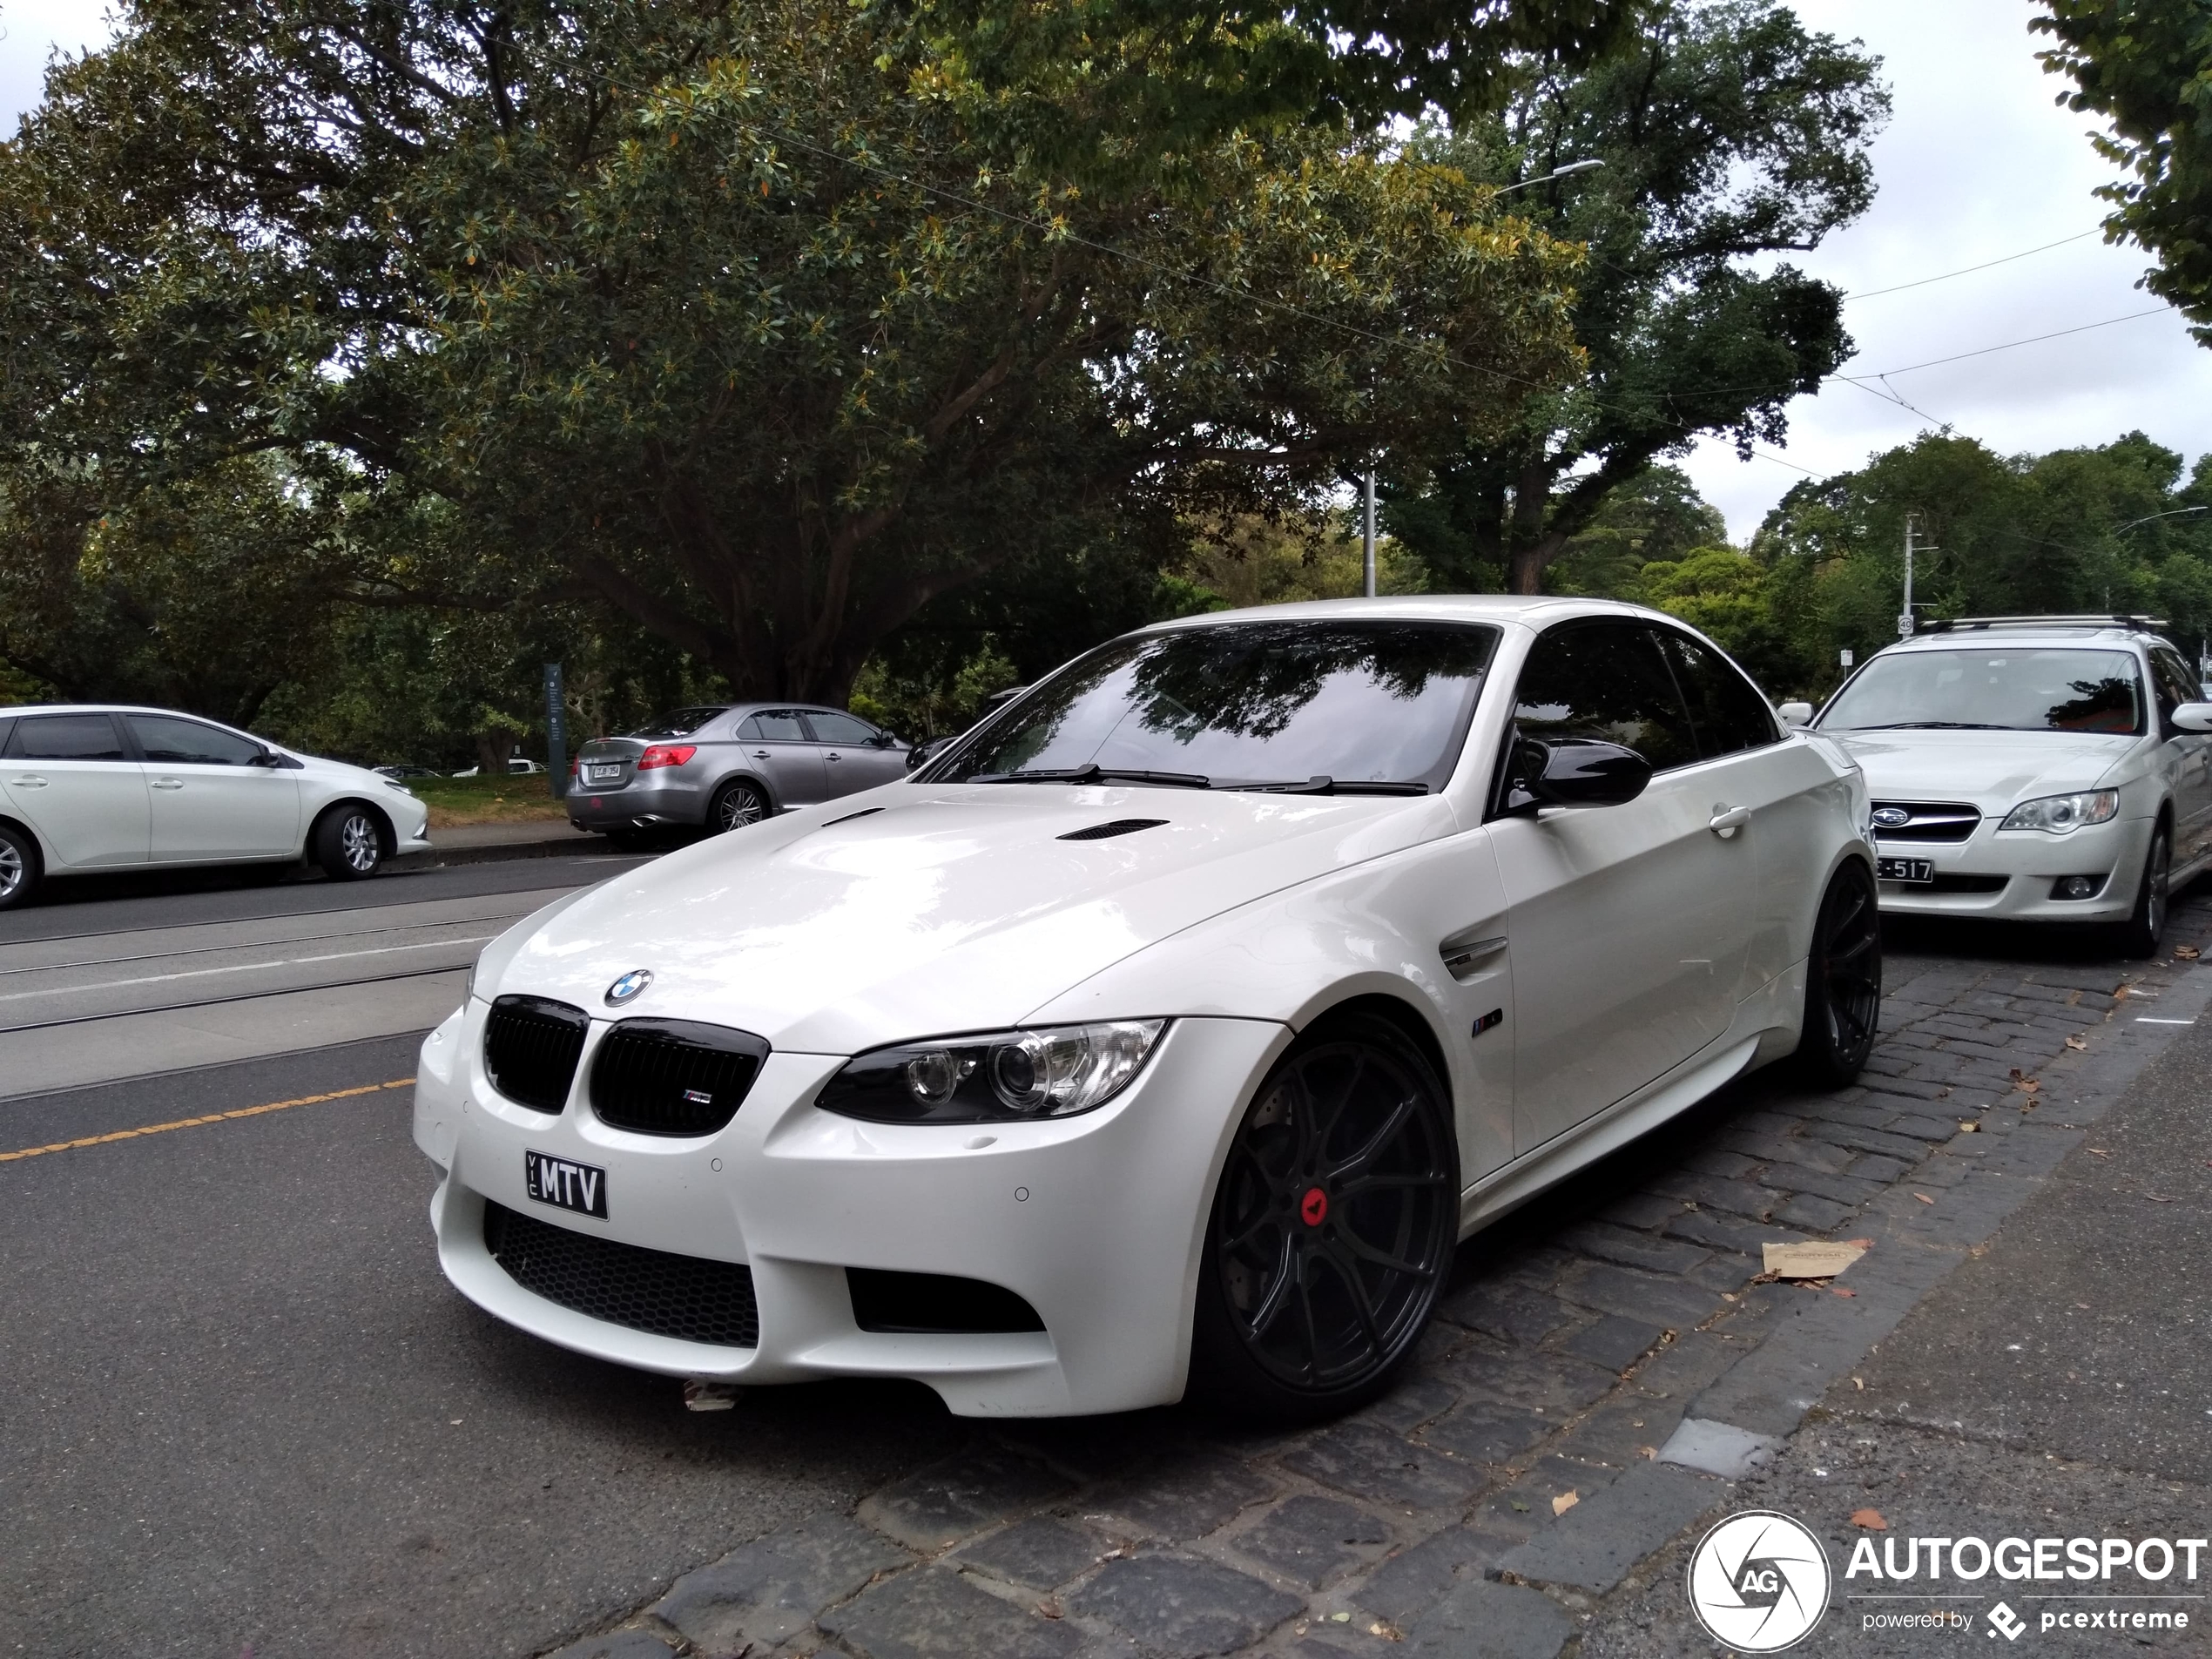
1605, 680
830, 727
65, 737
773, 725
1728, 710
187, 743
2175, 685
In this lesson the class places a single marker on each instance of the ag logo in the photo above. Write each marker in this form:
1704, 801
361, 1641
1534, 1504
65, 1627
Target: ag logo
1758, 1582
628, 985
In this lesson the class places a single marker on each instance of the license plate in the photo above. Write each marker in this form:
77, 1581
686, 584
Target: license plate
1905, 869
603, 775
565, 1185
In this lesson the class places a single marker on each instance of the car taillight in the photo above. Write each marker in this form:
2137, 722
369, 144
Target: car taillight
666, 754
574, 761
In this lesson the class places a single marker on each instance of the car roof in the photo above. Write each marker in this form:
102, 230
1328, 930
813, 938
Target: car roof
2110, 635
1532, 610
9, 711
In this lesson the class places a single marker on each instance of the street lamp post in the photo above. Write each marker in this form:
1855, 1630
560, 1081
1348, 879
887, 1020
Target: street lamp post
2179, 512
1556, 172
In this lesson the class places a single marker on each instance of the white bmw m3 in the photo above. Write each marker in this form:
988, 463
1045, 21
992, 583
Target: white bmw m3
1170, 1029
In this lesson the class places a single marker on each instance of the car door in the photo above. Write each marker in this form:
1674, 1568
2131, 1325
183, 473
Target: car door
1625, 948
778, 745
2185, 757
855, 755
71, 777
209, 798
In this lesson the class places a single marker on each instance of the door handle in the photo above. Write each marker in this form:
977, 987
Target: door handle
760, 754
1726, 820
831, 756
28, 783
168, 783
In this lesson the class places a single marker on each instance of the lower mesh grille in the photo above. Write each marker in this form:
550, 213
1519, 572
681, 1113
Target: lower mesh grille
673, 1076
531, 1046
684, 1297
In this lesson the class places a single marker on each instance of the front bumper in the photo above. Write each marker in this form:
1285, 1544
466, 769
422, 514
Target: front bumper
1096, 1221
2029, 862
659, 797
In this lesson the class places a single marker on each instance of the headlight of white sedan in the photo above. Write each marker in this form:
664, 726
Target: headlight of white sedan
995, 1078
2063, 814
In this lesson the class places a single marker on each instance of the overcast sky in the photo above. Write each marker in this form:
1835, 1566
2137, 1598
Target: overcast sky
1978, 163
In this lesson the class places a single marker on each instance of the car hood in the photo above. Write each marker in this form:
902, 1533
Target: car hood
916, 909
1994, 771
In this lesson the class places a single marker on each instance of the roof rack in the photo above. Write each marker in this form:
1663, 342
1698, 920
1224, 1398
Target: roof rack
2109, 619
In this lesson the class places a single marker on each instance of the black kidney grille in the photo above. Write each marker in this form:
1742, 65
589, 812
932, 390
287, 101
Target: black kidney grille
684, 1297
673, 1076
530, 1050
1107, 832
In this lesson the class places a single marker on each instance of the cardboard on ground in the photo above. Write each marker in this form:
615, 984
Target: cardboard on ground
1811, 1260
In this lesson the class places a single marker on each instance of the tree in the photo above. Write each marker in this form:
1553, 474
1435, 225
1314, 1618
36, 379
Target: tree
2145, 66
735, 320
1727, 132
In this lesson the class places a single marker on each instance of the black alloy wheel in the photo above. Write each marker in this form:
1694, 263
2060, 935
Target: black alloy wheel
1843, 980
18, 867
736, 805
2143, 932
348, 842
1332, 1229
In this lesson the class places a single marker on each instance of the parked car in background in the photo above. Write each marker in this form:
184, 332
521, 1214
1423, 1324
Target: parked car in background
89, 787
2033, 769
1171, 1027
722, 765
403, 772
516, 767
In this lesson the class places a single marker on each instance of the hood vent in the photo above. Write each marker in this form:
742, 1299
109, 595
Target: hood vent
1107, 832
865, 811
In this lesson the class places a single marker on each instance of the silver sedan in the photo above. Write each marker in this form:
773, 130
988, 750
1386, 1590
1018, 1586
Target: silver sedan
721, 765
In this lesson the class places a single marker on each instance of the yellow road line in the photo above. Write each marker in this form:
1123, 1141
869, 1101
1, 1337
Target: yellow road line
196, 1122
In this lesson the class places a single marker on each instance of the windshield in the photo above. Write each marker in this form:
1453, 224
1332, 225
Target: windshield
678, 722
2063, 690
1242, 704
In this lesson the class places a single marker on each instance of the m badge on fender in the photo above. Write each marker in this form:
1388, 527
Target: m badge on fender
566, 1185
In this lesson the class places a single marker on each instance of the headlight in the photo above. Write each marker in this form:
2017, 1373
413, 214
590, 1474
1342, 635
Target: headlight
393, 783
468, 991
998, 1077
2063, 814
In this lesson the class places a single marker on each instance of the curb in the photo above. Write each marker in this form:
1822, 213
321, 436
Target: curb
500, 852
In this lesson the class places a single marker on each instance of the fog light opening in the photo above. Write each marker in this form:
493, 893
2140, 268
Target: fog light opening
2077, 886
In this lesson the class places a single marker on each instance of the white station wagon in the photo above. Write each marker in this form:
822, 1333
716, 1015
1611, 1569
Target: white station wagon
1168, 1030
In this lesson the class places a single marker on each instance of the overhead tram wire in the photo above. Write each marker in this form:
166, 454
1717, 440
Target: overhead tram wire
1968, 270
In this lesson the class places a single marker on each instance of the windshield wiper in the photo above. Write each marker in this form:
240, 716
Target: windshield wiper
1321, 783
1942, 726
1094, 773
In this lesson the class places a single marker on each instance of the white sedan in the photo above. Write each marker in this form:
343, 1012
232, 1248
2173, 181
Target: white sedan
91, 788
1170, 1029
2033, 769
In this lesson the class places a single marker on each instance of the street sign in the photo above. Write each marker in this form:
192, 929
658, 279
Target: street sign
1905, 625
557, 732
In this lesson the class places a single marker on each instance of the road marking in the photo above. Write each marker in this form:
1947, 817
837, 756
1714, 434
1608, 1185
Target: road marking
2147, 1019
196, 1122
241, 967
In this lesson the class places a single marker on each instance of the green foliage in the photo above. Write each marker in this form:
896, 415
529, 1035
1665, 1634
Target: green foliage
2146, 65
1654, 516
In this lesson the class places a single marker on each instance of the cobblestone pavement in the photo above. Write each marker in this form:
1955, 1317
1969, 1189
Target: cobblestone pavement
1605, 1366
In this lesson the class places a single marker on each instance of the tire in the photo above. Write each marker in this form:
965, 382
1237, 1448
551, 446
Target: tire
1331, 1232
735, 806
19, 868
347, 842
1843, 980
2143, 932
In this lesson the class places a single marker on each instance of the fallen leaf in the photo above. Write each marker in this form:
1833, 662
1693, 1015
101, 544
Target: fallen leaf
1924, 1197
1837, 1289
2097, 1151
1970, 1129
1379, 1628
2029, 1086
1521, 1506
1341, 1618
2077, 1043
1651, 1452
2187, 953
1810, 1260
2119, 995
2081, 1304
1859, 1382
1051, 1608
1565, 1501
1870, 1520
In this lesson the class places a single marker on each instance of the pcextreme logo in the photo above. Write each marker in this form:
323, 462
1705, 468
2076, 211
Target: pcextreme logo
1758, 1582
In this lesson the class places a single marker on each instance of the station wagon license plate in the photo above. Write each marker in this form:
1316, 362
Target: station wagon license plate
1905, 869
599, 774
564, 1184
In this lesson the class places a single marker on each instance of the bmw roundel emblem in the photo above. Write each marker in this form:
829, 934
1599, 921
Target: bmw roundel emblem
1891, 817
628, 985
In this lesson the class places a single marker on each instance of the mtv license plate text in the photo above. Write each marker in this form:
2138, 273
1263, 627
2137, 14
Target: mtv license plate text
566, 1185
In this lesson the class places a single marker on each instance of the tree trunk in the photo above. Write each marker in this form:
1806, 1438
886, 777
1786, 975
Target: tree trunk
492, 750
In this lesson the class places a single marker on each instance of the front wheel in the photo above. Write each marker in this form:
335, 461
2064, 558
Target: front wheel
1843, 980
18, 867
1332, 1229
348, 842
2143, 932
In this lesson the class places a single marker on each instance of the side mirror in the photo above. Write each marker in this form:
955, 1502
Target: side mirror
1576, 772
2191, 717
1795, 713
266, 758
922, 754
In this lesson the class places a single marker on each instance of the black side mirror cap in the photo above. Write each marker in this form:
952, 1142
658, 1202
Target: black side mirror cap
1575, 771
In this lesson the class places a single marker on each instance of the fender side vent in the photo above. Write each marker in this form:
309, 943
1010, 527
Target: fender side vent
935, 1302
1107, 832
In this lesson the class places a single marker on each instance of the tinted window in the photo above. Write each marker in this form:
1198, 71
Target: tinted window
1729, 714
678, 723
1251, 703
1606, 680
2175, 684
1993, 687
777, 726
65, 736
187, 743
840, 728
